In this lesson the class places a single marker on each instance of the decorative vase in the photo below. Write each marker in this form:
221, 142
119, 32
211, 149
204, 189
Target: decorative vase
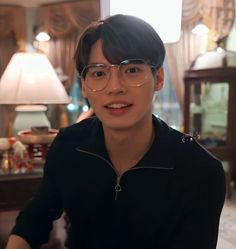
28, 116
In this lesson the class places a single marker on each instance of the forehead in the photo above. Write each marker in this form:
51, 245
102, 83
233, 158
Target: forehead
96, 53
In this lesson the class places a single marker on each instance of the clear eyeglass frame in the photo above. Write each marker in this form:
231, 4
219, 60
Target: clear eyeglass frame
132, 72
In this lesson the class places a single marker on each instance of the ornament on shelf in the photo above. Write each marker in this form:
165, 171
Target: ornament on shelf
21, 159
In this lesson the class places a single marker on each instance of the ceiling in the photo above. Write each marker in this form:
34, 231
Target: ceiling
30, 3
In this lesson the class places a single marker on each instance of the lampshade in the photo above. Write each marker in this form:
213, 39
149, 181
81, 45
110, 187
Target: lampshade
218, 58
29, 78
200, 29
42, 36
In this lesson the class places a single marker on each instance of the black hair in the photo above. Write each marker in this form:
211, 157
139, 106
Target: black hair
123, 37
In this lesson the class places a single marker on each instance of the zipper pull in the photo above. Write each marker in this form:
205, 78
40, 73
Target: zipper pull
117, 187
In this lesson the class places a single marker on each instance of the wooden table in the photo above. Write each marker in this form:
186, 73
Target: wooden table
15, 191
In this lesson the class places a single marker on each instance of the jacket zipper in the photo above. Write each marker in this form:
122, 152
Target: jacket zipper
118, 187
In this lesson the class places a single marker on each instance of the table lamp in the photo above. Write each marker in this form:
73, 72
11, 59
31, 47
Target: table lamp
30, 80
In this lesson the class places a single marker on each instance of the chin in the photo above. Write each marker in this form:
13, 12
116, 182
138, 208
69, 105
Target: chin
117, 126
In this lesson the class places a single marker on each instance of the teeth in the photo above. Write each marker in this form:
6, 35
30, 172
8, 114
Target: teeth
117, 106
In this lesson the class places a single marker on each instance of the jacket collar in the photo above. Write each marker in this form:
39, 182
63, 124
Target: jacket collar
160, 155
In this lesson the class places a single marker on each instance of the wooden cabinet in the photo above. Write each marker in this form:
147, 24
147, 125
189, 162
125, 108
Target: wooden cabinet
210, 100
16, 190
210, 111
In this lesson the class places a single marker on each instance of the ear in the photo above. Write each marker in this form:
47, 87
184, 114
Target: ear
83, 88
159, 79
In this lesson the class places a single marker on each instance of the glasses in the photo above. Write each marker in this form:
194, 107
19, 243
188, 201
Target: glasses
133, 73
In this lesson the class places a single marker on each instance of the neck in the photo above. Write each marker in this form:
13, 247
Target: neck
127, 147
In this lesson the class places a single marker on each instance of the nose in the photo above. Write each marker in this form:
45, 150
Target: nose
115, 85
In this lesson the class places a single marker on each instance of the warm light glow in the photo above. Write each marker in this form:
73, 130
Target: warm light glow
200, 29
29, 78
85, 108
42, 37
220, 50
164, 16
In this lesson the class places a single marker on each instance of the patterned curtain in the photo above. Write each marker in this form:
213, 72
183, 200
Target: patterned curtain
12, 39
65, 22
218, 15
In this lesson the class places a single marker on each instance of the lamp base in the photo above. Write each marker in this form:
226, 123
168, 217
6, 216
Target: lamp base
28, 116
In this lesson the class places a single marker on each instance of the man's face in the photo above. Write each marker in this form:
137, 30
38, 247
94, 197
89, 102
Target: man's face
118, 105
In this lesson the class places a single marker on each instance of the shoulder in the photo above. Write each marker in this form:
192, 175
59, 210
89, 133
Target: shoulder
186, 149
84, 133
80, 131
194, 157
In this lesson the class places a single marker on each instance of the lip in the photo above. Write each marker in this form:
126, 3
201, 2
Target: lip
117, 102
118, 108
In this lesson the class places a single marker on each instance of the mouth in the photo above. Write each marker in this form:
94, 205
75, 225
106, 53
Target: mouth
117, 106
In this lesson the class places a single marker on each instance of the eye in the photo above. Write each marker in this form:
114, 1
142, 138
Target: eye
97, 71
131, 69
98, 74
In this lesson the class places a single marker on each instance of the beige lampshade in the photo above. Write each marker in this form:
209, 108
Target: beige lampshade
29, 78
217, 58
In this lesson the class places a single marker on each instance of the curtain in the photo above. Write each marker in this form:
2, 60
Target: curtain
218, 15
65, 22
12, 39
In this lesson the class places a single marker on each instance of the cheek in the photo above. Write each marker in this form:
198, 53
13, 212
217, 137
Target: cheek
150, 89
94, 99
145, 95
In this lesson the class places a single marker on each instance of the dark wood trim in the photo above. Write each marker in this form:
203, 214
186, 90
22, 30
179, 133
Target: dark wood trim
17, 190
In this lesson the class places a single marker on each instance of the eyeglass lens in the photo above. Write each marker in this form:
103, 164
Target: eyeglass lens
131, 72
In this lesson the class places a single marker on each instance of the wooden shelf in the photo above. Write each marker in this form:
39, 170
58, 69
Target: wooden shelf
17, 189
195, 84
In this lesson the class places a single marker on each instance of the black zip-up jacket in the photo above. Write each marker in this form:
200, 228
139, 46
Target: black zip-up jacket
171, 199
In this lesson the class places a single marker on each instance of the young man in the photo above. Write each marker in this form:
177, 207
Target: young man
124, 178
